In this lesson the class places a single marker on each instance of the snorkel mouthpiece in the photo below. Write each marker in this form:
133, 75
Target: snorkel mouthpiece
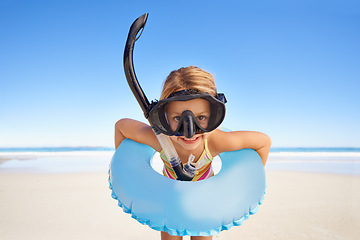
184, 173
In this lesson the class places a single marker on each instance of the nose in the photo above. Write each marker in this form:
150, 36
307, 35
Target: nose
188, 125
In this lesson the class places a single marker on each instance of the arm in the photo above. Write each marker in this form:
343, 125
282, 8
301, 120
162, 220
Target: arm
231, 141
137, 131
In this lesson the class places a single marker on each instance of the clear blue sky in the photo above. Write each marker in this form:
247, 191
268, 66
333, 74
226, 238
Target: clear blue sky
290, 69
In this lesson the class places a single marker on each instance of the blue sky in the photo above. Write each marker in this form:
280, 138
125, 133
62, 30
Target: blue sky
288, 68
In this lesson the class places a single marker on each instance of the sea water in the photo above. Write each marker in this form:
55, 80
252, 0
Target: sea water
55, 160
323, 160
90, 159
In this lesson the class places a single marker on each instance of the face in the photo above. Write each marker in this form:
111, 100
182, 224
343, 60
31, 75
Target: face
201, 110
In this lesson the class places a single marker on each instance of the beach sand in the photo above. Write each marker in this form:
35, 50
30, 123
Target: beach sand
297, 205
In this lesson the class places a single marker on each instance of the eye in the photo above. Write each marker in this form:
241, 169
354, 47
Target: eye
201, 118
177, 118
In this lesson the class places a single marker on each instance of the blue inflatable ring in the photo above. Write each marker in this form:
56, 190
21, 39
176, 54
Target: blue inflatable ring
201, 208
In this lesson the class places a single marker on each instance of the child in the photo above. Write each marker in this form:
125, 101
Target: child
201, 144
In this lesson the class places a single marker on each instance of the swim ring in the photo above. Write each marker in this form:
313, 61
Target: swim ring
201, 208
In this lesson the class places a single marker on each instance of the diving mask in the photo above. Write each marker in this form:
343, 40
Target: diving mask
187, 123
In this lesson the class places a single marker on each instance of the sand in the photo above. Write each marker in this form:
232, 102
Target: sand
297, 205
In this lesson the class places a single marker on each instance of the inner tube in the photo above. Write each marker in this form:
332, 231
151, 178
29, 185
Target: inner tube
180, 208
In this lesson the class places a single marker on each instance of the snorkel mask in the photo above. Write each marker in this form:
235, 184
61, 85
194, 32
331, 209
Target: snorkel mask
155, 111
188, 124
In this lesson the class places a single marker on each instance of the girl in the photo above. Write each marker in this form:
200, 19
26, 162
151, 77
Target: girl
192, 81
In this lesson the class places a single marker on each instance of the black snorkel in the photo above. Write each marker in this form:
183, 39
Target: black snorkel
137, 26
186, 173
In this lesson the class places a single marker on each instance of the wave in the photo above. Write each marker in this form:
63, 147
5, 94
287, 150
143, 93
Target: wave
314, 154
110, 153
56, 154
278, 154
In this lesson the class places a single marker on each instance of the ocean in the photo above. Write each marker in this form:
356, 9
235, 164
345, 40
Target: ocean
321, 160
97, 159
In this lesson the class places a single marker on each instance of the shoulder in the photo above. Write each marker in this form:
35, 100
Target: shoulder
139, 132
220, 141
217, 141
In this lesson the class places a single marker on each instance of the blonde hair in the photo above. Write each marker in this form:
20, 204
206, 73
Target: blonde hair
189, 78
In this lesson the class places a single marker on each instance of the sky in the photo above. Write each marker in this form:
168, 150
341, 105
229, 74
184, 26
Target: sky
290, 69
